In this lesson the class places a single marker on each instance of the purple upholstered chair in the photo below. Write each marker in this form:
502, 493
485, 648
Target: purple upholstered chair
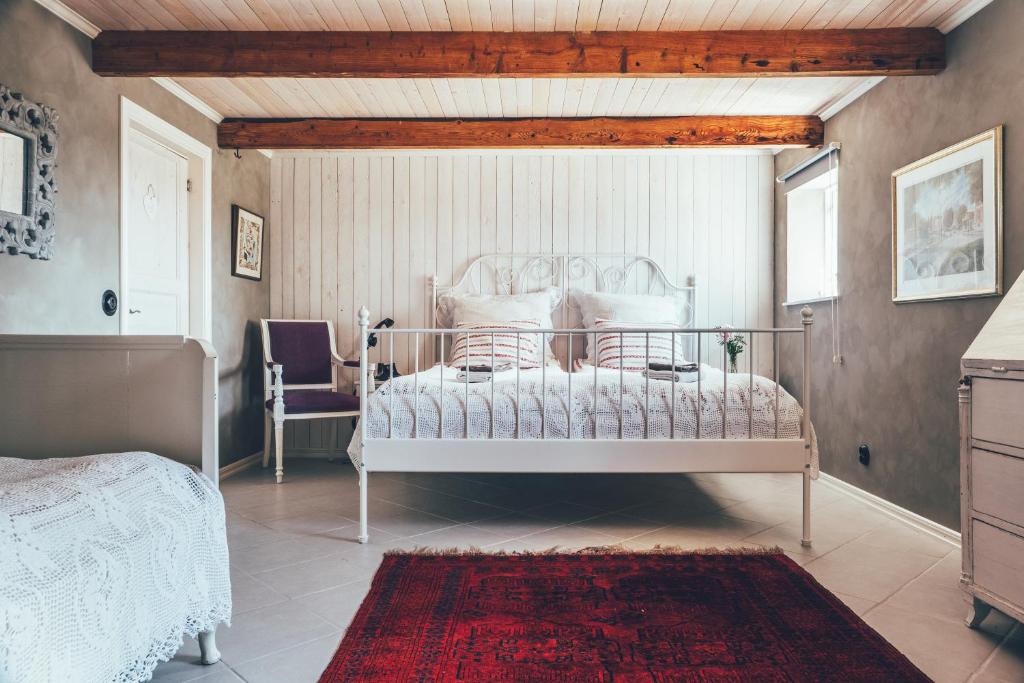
300, 380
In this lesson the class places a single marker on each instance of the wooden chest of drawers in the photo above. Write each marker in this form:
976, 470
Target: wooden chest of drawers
992, 490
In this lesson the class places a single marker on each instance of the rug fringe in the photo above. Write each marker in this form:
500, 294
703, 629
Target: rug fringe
592, 550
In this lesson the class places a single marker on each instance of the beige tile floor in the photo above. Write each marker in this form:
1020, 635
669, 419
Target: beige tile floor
298, 575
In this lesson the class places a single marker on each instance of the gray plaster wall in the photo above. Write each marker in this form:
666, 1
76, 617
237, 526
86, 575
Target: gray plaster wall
897, 388
49, 61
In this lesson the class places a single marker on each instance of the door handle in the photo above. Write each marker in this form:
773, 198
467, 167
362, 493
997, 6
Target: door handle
133, 311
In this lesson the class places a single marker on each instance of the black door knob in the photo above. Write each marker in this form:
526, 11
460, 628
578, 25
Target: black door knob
109, 302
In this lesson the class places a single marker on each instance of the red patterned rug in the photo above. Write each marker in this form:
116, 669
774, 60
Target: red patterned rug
607, 616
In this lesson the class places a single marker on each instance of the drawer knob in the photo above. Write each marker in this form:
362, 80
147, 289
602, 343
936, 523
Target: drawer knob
998, 368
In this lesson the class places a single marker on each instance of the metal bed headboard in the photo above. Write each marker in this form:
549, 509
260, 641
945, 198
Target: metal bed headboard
519, 273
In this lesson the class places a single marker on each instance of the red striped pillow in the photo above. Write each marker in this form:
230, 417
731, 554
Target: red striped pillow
635, 352
475, 349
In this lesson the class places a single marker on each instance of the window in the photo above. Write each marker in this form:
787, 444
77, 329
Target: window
812, 223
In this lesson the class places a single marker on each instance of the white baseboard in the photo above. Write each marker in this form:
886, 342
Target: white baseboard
256, 459
243, 464
337, 454
895, 511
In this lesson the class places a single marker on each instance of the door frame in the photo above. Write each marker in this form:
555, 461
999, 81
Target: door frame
200, 212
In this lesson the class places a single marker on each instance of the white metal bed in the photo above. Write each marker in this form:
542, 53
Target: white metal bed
575, 449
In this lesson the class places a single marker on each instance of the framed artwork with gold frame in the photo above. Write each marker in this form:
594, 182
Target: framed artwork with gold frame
947, 222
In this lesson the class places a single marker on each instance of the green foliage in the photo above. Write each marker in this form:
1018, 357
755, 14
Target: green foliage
733, 343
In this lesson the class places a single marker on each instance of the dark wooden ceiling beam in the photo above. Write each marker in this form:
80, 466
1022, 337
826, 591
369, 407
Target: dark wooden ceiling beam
662, 131
852, 52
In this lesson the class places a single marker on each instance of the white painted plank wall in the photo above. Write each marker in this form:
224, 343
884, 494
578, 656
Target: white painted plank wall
369, 228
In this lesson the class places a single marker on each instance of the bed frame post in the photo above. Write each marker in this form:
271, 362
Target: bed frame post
807, 318
432, 281
364, 325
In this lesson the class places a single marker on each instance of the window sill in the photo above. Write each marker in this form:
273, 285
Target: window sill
814, 300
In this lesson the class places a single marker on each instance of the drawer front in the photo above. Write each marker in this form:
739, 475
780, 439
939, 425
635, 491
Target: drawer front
997, 411
997, 485
998, 561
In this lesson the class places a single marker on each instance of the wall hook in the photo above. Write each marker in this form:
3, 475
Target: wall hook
238, 154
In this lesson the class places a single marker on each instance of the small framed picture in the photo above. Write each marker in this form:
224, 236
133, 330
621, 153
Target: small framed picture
246, 244
947, 222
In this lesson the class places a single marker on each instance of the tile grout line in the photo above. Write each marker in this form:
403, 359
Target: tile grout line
991, 655
841, 545
284, 649
905, 584
232, 670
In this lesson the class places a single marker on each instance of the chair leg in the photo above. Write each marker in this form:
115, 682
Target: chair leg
268, 424
279, 449
333, 440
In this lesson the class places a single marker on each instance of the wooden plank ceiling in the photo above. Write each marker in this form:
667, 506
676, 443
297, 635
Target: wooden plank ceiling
513, 15
515, 97
518, 97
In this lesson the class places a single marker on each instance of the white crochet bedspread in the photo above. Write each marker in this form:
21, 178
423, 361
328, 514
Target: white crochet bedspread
106, 562
402, 394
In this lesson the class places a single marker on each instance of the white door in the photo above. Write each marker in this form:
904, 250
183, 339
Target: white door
155, 296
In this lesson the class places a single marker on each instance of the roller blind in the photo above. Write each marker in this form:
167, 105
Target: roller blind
810, 168
812, 227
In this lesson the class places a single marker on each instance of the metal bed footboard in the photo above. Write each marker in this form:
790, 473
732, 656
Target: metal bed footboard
565, 454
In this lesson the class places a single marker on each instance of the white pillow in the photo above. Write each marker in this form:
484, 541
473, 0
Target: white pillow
636, 351
474, 350
637, 308
454, 309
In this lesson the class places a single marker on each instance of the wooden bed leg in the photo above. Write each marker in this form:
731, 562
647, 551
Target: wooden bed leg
363, 535
805, 540
976, 612
208, 652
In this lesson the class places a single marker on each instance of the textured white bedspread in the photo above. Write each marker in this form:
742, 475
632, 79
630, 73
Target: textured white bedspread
749, 407
106, 561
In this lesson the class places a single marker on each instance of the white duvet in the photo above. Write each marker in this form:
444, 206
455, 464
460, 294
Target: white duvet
106, 562
749, 407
